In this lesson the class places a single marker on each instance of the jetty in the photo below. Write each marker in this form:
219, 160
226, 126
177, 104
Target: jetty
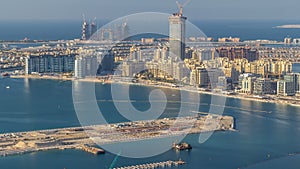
165, 164
93, 150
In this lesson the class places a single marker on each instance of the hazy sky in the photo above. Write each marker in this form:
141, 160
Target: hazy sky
111, 9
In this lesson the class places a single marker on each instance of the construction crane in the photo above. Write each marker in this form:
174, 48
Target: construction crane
180, 6
83, 18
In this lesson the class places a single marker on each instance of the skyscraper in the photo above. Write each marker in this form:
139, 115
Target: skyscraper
177, 35
88, 29
125, 30
85, 30
93, 27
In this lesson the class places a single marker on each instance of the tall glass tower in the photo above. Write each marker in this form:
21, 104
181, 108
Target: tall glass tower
93, 28
85, 30
177, 35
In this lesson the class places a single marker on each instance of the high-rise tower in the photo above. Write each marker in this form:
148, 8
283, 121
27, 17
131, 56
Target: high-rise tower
177, 34
89, 29
125, 30
93, 27
85, 30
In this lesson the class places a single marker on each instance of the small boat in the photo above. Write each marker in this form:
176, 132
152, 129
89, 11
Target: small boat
4, 46
181, 146
5, 75
7, 87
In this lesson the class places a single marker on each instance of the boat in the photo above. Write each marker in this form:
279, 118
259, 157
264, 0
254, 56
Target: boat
4, 46
5, 75
181, 146
7, 87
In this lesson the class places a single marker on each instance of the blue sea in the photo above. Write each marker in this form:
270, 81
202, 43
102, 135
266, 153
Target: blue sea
296, 67
268, 134
58, 30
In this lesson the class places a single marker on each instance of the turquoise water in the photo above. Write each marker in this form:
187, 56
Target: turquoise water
267, 134
68, 29
296, 67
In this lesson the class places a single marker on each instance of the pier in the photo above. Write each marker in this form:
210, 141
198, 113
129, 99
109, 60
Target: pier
92, 150
165, 164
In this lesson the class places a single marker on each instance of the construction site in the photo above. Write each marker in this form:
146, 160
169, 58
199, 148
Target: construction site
86, 138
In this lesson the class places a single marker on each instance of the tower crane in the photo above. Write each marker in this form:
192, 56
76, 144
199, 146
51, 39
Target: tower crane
180, 6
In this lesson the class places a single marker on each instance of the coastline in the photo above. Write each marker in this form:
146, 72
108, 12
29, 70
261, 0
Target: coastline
291, 26
271, 98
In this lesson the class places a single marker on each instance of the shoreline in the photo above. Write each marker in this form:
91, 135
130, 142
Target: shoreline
289, 26
272, 98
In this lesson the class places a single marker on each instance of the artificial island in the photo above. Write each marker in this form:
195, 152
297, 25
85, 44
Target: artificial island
84, 138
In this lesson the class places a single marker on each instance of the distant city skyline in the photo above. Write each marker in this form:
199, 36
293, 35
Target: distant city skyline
112, 9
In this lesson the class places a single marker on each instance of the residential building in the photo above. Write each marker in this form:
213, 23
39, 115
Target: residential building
49, 64
264, 86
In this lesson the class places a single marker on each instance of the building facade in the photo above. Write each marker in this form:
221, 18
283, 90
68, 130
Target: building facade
246, 83
49, 64
285, 88
264, 86
177, 25
86, 66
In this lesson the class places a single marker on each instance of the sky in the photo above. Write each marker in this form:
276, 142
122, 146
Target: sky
112, 9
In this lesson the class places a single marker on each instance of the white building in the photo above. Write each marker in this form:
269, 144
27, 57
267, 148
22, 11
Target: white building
285, 88
86, 66
246, 83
